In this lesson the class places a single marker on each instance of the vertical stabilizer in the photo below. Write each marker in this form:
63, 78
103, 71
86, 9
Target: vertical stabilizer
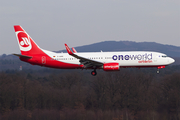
26, 44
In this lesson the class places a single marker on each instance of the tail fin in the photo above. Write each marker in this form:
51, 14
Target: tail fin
27, 46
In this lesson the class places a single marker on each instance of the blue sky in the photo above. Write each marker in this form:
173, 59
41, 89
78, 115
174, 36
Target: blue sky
81, 22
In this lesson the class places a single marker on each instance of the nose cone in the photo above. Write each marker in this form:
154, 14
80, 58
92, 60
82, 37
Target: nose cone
171, 60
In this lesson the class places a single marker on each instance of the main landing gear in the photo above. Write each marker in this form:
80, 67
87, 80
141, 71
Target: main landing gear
94, 73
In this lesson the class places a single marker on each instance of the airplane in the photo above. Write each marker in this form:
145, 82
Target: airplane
108, 61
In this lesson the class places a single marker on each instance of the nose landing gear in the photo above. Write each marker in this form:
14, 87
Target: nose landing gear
160, 67
157, 71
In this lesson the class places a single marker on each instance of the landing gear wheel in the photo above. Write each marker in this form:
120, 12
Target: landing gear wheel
158, 71
93, 73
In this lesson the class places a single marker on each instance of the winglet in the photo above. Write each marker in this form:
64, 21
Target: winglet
68, 50
74, 50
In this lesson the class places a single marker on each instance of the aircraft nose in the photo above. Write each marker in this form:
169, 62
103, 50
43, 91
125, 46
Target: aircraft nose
171, 60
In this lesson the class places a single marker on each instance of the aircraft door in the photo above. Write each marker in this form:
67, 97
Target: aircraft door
155, 58
43, 60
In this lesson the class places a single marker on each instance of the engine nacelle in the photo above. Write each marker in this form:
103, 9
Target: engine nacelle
111, 66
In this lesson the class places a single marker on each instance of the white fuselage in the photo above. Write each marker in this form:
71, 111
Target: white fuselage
125, 59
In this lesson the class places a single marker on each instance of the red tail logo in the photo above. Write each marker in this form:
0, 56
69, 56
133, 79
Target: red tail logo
24, 41
26, 44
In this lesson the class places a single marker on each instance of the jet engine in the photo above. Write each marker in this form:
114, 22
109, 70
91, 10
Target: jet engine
111, 66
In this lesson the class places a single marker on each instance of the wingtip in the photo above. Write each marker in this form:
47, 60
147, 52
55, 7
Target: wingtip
68, 49
74, 50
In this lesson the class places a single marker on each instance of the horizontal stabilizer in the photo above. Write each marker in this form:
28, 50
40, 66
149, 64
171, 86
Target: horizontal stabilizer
23, 56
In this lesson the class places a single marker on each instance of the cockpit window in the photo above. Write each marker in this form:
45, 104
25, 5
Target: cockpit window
164, 56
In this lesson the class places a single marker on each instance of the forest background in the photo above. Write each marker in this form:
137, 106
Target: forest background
36, 93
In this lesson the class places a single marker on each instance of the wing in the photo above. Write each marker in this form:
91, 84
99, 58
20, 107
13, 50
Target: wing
83, 60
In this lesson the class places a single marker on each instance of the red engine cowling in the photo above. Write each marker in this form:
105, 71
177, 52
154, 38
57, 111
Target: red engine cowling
111, 66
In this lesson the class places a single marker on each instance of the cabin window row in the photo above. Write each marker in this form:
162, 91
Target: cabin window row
92, 58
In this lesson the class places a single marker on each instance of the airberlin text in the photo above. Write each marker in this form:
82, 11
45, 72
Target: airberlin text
145, 57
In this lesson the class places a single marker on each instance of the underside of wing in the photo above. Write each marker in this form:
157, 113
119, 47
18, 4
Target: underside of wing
87, 62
